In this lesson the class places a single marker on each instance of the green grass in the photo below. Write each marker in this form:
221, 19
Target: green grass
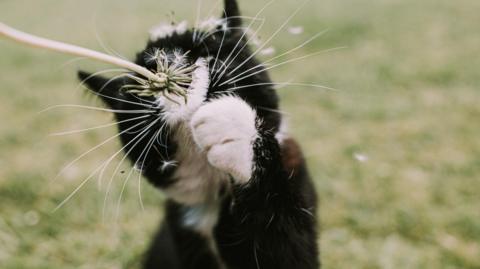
408, 99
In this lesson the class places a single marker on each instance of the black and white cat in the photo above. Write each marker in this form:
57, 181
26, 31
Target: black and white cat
239, 192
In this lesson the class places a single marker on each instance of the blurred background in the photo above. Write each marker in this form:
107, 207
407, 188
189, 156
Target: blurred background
394, 151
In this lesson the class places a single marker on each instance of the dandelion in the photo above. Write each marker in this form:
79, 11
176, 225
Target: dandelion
170, 77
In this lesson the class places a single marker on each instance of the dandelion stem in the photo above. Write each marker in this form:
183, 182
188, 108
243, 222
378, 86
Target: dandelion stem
39, 42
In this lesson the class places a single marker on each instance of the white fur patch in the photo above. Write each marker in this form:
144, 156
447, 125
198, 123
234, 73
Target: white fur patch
165, 30
178, 111
282, 133
197, 181
211, 24
201, 218
225, 130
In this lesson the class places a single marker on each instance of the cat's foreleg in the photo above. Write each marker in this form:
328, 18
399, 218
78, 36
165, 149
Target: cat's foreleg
270, 220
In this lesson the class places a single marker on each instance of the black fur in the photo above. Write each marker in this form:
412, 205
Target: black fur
268, 222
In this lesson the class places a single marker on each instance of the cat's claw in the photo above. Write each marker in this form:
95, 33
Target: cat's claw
225, 130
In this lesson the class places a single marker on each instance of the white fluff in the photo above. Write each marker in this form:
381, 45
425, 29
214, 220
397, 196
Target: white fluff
178, 111
165, 30
211, 24
197, 181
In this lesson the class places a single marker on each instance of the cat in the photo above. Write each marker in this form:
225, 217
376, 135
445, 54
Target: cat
239, 192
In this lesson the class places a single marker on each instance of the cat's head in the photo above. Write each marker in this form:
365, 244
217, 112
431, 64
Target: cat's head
224, 64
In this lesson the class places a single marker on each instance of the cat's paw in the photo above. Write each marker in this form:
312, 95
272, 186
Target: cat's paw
225, 130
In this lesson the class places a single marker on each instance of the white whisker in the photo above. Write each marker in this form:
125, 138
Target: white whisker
98, 93
102, 166
220, 49
273, 110
297, 47
100, 41
139, 138
197, 20
149, 146
121, 192
94, 148
240, 51
71, 61
283, 84
283, 54
97, 127
100, 73
244, 33
277, 57
95, 108
235, 79
272, 36
145, 151
75, 191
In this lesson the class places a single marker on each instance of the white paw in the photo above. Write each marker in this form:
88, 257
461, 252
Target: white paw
225, 130
179, 111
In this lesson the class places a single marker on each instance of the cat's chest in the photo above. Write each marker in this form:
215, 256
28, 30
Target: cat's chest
196, 180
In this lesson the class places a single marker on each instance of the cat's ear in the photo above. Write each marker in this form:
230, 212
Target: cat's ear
232, 13
107, 89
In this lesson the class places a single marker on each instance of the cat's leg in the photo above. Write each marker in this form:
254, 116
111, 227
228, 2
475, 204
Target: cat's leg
270, 220
162, 252
177, 246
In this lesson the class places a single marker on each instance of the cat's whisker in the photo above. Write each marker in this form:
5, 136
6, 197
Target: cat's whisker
220, 49
150, 104
214, 7
101, 42
75, 191
98, 93
207, 50
140, 132
197, 20
242, 17
221, 64
208, 34
97, 109
149, 146
94, 148
100, 73
289, 18
300, 84
97, 127
197, 23
121, 193
112, 79
235, 79
229, 62
158, 139
244, 33
314, 37
274, 110
71, 61
145, 151
137, 139
279, 56
103, 166
221, 44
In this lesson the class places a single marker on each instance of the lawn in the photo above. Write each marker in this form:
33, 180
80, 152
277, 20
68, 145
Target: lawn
394, 151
